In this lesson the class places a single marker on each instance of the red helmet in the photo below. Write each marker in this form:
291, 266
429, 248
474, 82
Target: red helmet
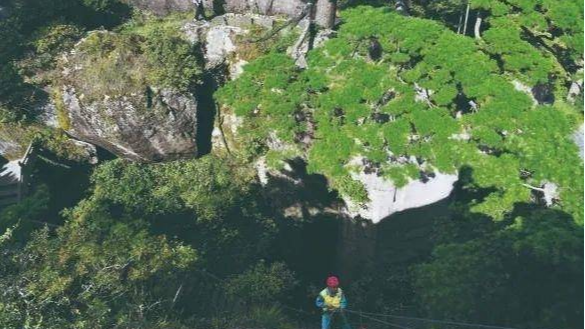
332, 282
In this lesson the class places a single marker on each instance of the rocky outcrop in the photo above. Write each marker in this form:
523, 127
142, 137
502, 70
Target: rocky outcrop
131, 128
162, 7
218, 38
264, 7
324, 11
386, 199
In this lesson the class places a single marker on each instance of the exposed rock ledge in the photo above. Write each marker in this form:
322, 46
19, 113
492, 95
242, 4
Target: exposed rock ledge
386, 199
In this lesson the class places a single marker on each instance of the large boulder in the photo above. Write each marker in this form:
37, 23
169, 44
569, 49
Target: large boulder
110, 95
220, 37
165, 130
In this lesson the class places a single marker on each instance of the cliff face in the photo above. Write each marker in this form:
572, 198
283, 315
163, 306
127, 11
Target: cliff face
324, 11
264, 7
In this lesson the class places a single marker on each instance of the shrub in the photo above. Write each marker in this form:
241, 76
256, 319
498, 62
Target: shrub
262, 284
269, 317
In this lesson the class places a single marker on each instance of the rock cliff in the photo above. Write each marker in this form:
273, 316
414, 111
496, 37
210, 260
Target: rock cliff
324, 11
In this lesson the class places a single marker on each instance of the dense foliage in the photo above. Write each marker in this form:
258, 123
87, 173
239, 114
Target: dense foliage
431, 100
497, 273
93, 273
138, 250
200, 243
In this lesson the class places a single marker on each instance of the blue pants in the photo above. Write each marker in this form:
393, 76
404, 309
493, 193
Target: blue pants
340, 316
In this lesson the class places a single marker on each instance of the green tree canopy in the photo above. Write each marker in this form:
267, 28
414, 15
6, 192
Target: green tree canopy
433, 100
97, 271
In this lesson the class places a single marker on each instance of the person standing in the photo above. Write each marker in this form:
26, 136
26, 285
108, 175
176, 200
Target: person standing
332, 302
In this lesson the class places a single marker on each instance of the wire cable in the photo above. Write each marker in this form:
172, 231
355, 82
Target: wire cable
454, 323
379, 321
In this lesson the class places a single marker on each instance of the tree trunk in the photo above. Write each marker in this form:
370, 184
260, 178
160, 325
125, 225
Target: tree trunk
325, 13
466, 19
477, 28
459, 24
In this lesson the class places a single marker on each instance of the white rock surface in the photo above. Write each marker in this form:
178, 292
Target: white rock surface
386, 199
10, 172
525, 89
551, 193
219, 44
218, 38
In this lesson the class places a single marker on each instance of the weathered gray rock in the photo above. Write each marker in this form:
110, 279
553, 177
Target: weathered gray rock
298, 51
264, 7
47, 113
218, 37
130, 128
575, 90
324, 12
162, 7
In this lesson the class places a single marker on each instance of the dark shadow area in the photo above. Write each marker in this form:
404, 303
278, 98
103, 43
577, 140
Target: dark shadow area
67, 182
373, 3
206, 112
218, 7
3, 160
308, 240
296, 187
310, 249
406, 236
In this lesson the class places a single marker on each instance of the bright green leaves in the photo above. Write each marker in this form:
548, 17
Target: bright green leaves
432, 95
535, 39
273, 95
518, 56
498, 8
397, 135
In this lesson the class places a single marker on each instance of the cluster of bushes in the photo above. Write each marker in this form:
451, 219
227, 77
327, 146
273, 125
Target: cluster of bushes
173, 245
